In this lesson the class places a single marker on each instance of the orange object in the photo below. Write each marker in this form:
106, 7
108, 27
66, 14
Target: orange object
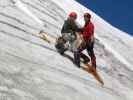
91, 70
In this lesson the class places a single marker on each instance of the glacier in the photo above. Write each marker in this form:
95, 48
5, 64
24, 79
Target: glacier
31, 69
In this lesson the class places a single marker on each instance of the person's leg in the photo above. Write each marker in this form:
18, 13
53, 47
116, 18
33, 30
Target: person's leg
77, 57
90, 50
78, 47
77, 54
84, 57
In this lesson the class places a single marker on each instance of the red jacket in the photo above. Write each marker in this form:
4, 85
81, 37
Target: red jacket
88, 31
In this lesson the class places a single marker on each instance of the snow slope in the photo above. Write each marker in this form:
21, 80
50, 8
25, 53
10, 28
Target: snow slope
31, 69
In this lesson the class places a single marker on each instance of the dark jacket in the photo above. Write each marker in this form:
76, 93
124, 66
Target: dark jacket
70, 27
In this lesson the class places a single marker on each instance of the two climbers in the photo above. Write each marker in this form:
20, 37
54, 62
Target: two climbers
70, 33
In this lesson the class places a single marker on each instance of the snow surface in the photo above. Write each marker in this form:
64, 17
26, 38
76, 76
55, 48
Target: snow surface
31, 69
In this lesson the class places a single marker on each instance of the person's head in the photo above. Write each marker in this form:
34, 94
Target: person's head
87, 17
72, 16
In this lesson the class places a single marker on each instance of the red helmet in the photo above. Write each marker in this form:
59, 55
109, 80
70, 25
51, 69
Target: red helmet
87, 15
73, 14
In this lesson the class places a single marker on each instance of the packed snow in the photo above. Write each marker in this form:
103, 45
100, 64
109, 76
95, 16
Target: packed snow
31, 69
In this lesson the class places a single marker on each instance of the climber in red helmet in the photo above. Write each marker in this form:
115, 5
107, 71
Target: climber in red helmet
88, 35
68, 31
88, 39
